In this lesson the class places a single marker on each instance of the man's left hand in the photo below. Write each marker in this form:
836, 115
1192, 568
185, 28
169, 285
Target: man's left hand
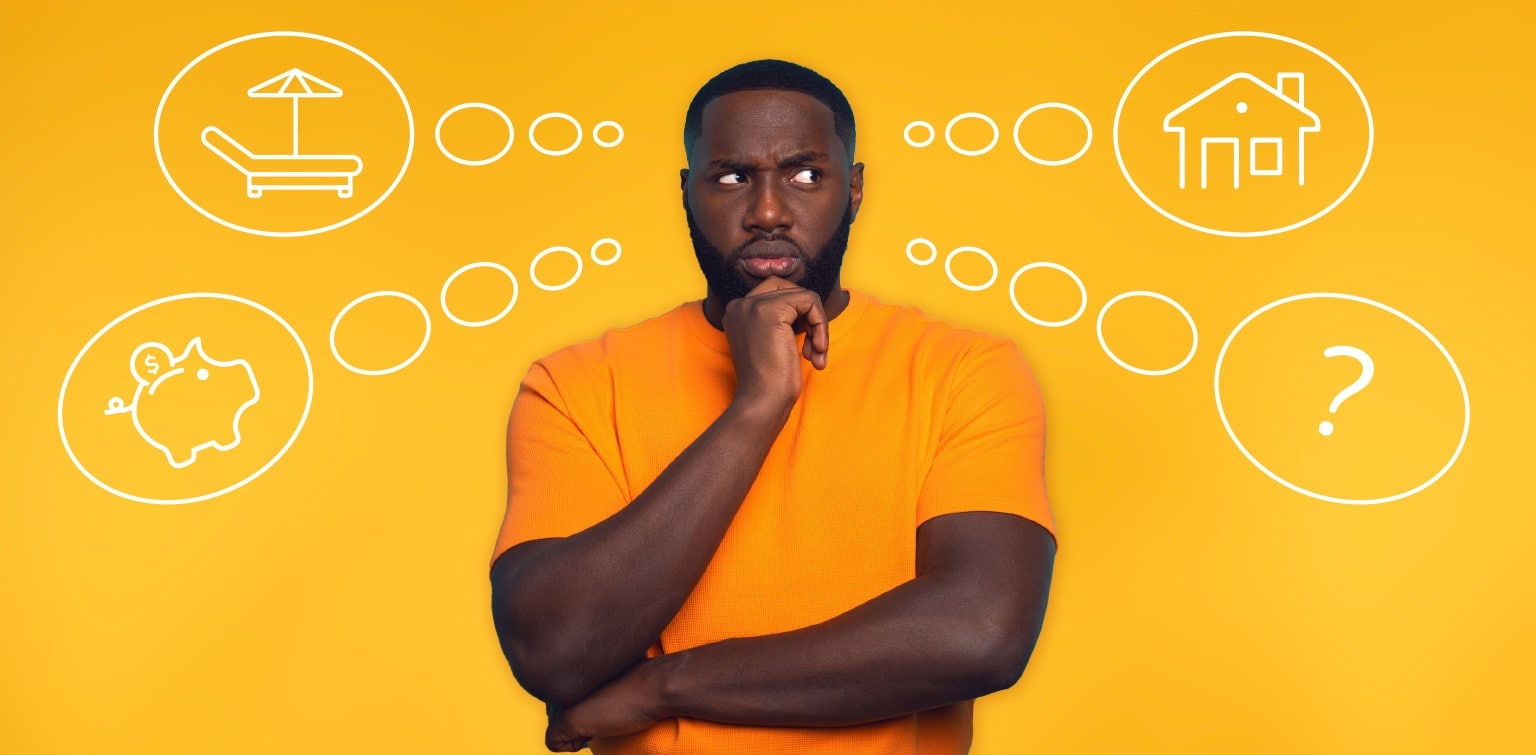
625, 705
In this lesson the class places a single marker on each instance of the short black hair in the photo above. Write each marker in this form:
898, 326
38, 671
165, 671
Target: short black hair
771, 74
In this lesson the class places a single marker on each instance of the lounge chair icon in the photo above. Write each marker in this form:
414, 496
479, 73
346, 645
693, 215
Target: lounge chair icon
284, 172
290, 172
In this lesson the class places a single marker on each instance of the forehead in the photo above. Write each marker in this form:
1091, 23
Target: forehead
767, 122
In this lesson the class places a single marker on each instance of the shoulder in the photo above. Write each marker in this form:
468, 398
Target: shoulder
942, 358
931, 337
594, 359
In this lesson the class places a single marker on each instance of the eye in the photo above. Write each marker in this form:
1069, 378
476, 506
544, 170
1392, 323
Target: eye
806, 175
731, 178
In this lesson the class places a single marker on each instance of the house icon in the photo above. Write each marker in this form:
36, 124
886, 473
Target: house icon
1242, 108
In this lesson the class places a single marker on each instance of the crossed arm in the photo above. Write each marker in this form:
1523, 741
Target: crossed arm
575, 615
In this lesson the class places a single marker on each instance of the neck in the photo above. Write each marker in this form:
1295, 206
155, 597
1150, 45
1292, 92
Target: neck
714, 308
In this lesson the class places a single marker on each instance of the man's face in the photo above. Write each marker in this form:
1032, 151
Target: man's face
769, 191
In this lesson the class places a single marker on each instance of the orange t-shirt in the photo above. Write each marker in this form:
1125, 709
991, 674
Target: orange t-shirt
912, 418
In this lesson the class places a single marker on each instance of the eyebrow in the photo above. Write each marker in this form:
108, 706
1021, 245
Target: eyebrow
799, 158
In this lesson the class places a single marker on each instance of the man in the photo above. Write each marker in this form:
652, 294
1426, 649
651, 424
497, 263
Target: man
788, 518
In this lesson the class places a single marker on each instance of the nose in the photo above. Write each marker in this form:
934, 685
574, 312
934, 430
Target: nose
768, 212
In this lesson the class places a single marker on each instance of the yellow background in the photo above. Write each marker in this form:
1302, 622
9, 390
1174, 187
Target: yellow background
339, 603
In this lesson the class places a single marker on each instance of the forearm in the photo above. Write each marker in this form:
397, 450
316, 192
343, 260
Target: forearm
582, 609
921, 645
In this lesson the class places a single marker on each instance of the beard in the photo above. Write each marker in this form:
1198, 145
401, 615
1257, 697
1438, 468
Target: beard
723, 273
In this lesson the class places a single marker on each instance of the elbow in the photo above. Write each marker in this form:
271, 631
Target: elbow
999, 655
1005, 664
545, 682
534, 662
537, 668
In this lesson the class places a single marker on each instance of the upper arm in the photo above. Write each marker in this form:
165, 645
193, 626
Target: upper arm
998, 570
984, 521
558, 483
990, 451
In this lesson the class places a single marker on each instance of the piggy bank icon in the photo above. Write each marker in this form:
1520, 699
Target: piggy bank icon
189, 402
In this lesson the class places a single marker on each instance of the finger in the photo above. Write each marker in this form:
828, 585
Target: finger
769, 285
813, 323
816, 332
560, 736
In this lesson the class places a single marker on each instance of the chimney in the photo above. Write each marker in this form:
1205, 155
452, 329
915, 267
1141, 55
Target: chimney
1292, 85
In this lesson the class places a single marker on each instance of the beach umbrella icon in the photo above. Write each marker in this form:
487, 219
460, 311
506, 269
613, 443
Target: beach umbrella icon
296, 85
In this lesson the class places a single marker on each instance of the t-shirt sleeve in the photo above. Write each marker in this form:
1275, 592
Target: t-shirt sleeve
991, 449
557, 482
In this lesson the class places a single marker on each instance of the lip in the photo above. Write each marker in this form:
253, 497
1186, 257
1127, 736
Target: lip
761, 259
761, 267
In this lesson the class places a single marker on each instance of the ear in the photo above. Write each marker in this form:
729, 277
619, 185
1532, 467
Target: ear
683, 184
855, 188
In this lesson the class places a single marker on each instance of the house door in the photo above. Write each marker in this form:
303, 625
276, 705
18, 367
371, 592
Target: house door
1218, 162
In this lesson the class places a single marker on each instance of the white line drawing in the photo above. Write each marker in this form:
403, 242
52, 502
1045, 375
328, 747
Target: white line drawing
1466, 400
295, 85
1194, 333
427, 336
1278, 159
949, 267
437, 133
147, 365
533, 268
983, 117
410, 130
1367, 371
532, 139
1217, 104
284, 172
309, 397
608, 144
933, 251
442, 298
1056, 106
1125, 172
1013, 295
605, 261
291, 172
906, 134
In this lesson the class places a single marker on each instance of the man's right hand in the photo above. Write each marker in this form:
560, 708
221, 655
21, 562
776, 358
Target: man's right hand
760, 328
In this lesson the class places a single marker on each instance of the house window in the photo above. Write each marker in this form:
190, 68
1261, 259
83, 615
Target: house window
1264, 156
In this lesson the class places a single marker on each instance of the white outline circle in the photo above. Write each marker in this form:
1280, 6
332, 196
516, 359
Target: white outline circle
906, 135
1194, 344
949, 271
617, 250
1466, 400
533, 268
442, 298
309, 397
949, 139
1052, 106
1370, 141
410, 129
554, 152
425, 315
437, 133
931, 246
1014, 297
600, 142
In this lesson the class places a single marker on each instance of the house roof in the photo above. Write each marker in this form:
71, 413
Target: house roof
1197, 99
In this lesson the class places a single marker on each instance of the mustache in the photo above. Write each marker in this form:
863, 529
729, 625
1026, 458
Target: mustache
766, 237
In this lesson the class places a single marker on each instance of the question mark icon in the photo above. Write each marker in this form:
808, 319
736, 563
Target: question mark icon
1367, 371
